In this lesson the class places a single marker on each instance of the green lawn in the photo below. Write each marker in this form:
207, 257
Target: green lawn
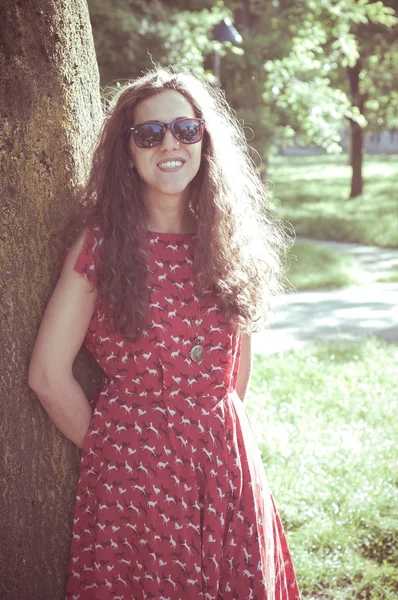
326, 420
313, 195
312, 267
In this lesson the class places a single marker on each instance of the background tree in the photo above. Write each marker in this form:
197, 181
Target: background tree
332, 73
266, 29
372, 73
49, 113
131, 36
304, 68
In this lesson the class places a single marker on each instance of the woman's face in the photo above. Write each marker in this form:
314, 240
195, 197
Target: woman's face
167, 169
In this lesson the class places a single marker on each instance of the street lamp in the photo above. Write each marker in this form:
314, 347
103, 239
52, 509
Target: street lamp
224, 32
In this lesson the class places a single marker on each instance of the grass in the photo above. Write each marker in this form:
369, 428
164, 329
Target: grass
313, 194
390, 278
326, 420
312, 267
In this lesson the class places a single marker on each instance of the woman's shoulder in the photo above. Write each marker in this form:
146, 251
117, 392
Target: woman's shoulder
87, 249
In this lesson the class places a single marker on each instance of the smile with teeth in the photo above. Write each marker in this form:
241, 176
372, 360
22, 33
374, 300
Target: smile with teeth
170, 164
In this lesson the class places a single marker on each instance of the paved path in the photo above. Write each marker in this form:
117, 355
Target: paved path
373, 260
345, 314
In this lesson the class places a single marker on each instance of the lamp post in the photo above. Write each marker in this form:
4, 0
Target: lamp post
224, 32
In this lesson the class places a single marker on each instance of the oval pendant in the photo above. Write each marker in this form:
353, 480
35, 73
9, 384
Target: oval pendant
197, 353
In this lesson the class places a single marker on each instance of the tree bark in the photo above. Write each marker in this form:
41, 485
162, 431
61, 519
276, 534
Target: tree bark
356, 131
49, 115
356, 159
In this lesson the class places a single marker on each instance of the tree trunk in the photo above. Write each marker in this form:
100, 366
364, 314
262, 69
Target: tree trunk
356, 132
49, 114
356, 159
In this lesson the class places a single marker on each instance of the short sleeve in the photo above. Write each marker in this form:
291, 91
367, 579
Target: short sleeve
88, 261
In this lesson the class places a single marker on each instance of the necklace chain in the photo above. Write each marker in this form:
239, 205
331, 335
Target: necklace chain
197, 352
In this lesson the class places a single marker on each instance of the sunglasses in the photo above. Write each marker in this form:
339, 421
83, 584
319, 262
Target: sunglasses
186, 130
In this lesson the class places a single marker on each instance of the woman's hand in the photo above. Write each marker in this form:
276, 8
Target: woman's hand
245, 366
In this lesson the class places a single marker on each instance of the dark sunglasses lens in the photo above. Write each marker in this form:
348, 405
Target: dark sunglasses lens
148, 135
187, 131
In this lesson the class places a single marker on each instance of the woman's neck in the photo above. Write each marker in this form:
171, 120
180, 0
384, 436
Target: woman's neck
171, 218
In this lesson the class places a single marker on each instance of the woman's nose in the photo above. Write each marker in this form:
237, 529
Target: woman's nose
169, 141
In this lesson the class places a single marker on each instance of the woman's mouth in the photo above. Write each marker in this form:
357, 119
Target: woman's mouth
171, 165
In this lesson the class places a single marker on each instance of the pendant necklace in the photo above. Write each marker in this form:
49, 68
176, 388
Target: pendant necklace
197, 351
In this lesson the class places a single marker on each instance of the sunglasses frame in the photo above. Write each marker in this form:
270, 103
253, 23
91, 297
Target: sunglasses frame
165, 127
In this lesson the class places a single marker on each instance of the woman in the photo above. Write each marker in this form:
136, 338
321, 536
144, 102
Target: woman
175, 266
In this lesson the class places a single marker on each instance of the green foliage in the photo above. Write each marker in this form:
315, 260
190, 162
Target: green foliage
188, 39
289, 76
292, 80
188, 5
325, 417
330, 36
131, 36
244, 77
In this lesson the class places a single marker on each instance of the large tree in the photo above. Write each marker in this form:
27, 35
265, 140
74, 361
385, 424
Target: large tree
342, 64
372, 73
49, 113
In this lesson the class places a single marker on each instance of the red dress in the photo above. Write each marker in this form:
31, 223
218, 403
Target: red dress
172, 500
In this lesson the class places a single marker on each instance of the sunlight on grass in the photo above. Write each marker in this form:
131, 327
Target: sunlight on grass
326, 420
312, 267
391, 278
313, 194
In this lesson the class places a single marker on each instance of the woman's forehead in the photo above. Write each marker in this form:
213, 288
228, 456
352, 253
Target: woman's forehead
165, 107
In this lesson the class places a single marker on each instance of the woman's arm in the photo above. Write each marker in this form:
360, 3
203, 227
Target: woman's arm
245, 366
59, 339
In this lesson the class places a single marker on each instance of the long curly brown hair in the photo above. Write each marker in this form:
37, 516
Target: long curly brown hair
239, 242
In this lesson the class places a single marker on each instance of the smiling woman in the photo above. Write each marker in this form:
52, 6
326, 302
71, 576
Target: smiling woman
166, 153
175, 265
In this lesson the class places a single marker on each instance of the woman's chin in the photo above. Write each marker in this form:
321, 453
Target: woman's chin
171, 190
